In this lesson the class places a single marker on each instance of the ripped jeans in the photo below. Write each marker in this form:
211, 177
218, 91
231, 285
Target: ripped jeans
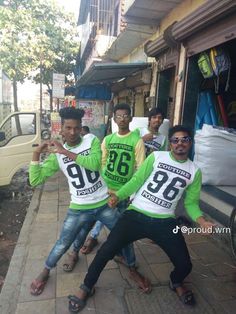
73, 224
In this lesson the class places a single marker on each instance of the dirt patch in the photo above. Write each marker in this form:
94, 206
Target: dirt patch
14, 202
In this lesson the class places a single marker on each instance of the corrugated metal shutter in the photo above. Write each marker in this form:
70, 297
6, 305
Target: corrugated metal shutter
208, 16
216, 34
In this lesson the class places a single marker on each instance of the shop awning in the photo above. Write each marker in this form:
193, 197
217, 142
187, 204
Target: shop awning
148, 12
110, 72
132, 37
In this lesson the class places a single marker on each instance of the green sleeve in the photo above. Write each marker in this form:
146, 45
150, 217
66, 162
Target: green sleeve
93, 160
192, 197
38, 174
138, 178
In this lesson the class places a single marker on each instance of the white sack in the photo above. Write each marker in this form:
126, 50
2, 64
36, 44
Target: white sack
215, 155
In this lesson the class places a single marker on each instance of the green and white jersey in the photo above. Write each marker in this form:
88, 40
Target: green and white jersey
86, 186
160, 183
121, 158
158, 143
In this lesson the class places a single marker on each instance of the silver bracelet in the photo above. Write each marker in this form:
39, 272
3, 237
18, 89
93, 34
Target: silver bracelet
34, 162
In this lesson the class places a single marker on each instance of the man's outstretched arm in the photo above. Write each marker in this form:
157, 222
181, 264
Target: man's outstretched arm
135, 183
38, 174
191, 202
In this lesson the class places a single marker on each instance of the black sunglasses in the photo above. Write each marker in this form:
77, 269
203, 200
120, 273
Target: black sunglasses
183, 140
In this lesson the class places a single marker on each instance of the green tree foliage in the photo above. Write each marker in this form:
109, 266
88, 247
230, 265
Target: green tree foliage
36, 34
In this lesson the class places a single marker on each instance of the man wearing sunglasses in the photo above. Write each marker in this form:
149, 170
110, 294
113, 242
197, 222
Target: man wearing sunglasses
159, 184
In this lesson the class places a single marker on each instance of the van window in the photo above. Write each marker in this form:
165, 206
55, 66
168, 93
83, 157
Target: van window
18, 125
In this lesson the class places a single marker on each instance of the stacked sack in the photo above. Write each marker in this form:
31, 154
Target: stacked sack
215, 155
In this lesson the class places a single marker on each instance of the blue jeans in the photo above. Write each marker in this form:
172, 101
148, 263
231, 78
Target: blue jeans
127, 252
96, 229
121, 206
73, 224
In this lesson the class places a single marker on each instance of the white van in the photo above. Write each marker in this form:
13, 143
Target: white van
19, 134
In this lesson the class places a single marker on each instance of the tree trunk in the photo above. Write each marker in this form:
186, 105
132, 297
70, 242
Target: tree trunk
50, 97
15, 95
18, 126
51, 106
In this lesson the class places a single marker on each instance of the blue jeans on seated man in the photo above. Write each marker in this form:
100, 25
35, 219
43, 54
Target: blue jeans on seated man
127, 252
75, 221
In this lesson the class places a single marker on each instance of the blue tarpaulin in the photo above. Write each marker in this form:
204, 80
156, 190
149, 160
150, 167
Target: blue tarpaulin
97, 92
206, 112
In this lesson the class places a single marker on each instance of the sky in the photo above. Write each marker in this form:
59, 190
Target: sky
28, 89
70, 5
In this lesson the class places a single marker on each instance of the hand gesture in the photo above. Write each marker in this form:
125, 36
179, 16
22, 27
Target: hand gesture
42, 148
57, 147
207, 226
147, 137
113, 200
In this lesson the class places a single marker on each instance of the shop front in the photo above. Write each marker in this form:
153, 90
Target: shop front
209, 107
166, 51
202, 100
105, 84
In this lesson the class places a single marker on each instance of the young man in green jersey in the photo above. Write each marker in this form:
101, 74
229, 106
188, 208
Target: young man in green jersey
153, 140
116, 153
79, 159
122, 154
159, 184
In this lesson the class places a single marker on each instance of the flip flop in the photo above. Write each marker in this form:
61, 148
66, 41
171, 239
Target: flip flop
187, 298
76, 304
37, 286
69, 265
143, 283
89, 245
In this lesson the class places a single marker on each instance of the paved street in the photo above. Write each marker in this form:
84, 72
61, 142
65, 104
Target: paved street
212, 279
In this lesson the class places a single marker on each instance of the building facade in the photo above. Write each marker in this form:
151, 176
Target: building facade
146, 52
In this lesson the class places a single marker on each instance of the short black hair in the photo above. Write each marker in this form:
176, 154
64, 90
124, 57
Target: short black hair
86, 128
155, 111
71, 113
122, 107
180, 128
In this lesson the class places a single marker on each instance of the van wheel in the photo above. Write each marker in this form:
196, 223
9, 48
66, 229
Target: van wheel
45, 134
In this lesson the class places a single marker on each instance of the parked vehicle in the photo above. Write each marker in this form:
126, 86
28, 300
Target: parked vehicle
20, 132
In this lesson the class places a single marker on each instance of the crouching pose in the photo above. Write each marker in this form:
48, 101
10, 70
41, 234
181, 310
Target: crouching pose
159, 184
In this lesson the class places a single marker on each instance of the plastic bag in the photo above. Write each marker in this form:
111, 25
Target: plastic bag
215, 155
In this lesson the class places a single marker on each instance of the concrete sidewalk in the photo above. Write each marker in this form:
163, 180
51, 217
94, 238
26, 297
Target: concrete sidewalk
212, 279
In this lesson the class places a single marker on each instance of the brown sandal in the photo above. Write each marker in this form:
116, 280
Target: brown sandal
89, 245
37, 286
69, 265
